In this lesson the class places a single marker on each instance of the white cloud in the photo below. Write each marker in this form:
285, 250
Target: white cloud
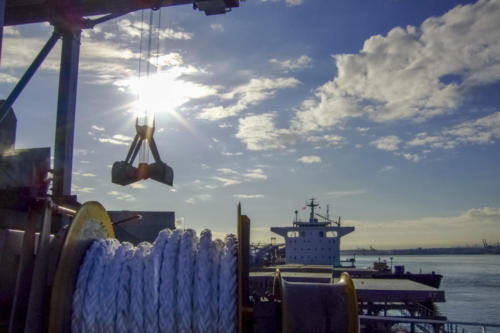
362, 129
170, 59
248, 196
11, 31
117, 139
227, 153
133, 29
172, 34
413, 72
390, 143
88, 174
122, 196
79, 189
216, 27
293, 64
237, 177
289, 3
255, 174
226, 171
7, 78
292, 3
97, 128
310, 159
347, 193
411, 157
387, 168
227, 181
331, 139
252, 93
112, 141
259, 133
484, 130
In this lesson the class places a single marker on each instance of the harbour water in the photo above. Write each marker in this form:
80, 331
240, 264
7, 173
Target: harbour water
471, 283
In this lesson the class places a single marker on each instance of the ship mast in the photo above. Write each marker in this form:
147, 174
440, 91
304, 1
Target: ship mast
312, 205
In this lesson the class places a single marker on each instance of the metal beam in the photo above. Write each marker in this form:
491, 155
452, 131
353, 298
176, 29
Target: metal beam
22, 12
66, 106
28, 74
2, 20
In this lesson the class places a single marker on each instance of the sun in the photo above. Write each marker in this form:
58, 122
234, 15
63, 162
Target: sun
165, 91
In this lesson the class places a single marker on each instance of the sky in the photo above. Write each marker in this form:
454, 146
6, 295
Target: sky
388, 111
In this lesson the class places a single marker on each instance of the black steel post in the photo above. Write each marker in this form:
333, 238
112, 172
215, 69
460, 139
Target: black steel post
66, 106
2, 16
23, 81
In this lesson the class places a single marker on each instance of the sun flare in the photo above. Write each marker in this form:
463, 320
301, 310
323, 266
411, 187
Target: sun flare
165, 91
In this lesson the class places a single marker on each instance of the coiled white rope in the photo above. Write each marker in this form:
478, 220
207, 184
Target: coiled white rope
177, 284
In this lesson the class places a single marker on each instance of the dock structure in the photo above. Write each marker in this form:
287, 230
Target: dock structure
313, 242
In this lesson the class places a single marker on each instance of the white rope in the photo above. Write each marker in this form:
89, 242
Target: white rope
203, 284
177, 284
227, 286
168, 283
123, 294
185, 279
137, 288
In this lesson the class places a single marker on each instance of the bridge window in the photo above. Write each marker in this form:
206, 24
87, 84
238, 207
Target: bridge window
331, 234
321, 234
292, 234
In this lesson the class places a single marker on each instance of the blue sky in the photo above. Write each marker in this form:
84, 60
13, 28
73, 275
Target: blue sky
389, 111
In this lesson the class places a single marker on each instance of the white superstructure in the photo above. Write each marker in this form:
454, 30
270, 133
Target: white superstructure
313, 242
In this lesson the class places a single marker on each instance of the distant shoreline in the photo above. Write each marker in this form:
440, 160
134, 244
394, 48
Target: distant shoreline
423, 251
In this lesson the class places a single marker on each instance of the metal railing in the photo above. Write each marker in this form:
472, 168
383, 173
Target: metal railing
433, 325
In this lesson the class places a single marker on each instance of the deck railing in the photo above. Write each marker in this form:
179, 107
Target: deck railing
433, 325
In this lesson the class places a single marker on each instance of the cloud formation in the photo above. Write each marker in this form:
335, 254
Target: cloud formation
246, 95
121, 196
413, 72
293, 64
309, 159
248, 196
389, 143
289, 3
484, 130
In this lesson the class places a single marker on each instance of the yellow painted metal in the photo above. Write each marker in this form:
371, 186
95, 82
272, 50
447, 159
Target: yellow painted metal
352, 302
91, 222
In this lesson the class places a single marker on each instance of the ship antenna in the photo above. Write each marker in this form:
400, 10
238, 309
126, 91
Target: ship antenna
312, 205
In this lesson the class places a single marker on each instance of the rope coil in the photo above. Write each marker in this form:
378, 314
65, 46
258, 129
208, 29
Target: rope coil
177, 284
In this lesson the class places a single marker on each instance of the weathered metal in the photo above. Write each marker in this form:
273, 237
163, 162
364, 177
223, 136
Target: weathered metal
24, 277
36, 314
244, 306
319, 307
66, 108
31, 11
124, 173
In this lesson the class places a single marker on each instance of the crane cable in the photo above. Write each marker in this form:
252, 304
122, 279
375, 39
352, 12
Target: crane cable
177, 284
148, 58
